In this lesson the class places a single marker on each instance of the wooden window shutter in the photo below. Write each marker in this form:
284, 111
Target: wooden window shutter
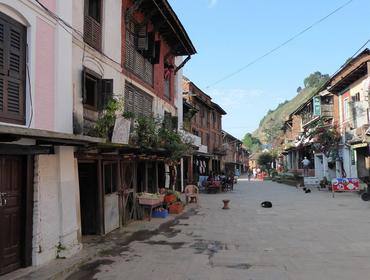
129, 99
83, 86
13, 43
106, 92
150, 52
92, 29
175, 122
2, 66
141, 37
157, 52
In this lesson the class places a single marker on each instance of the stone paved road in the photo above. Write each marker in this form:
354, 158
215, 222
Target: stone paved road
304, 236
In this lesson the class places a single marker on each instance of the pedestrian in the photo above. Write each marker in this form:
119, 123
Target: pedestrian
254, 173
305, 163
249, 174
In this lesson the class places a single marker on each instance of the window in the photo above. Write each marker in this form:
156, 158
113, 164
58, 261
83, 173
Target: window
13, 42
356, 97
167, 121
137, 101
110, 178
346, 109
141, 51
93, 23
95, 91
91, 88
167, 88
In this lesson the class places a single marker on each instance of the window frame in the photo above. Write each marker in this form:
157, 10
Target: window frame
346, 109
91, 22
7, 116
92, 75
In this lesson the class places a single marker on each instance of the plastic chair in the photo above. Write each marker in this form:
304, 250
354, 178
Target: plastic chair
191, 193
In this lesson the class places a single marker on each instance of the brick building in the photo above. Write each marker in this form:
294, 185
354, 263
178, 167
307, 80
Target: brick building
207, 124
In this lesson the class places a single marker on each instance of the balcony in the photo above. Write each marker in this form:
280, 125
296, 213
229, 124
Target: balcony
219, 151
196, 140
308, 116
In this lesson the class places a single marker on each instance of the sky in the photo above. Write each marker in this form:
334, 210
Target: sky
228, 34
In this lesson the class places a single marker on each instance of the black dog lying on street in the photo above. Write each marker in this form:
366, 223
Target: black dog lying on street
266, 204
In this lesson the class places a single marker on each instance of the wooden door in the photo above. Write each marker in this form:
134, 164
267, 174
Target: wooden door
87, 173
12, 205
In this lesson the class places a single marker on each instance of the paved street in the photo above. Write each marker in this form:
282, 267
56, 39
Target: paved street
304, 236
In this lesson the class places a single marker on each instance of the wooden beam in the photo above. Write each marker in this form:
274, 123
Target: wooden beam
13, 149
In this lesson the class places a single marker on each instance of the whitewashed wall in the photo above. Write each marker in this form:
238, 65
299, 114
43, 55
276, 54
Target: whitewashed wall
55, 206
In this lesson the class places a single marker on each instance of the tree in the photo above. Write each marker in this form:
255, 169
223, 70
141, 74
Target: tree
252, 143
315, 79
265, 160
299, 89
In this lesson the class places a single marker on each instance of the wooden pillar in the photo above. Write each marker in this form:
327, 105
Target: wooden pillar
100, 197
190, 169
29, 210
156, 177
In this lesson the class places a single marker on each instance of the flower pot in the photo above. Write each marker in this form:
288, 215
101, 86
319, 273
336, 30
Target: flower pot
170, 198
176, 208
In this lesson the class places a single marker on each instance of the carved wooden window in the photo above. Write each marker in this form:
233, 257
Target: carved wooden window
137, 101
93, 23
12, 70
142, 51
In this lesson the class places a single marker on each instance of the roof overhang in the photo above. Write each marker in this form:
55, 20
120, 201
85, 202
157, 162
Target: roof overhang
14, 133
345, 81
218, 108
349, 73
168, 24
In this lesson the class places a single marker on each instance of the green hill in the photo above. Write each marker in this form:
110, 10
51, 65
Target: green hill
270, 126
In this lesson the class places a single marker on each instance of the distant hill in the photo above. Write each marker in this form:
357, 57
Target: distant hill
270, 125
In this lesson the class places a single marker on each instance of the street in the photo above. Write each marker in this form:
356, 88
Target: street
303, 236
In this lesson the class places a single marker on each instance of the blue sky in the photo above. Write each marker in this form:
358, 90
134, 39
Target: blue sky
228, 34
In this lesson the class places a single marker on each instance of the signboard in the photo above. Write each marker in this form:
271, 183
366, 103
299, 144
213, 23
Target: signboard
121, 132
361, 145
311, 181
345, 185
316, 106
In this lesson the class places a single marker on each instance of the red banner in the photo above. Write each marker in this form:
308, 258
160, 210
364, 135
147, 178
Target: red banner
345, 184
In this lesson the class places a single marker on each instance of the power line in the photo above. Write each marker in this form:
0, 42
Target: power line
349, 59
279, 46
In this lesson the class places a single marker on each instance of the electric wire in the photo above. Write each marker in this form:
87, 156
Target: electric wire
279, 46
66, 25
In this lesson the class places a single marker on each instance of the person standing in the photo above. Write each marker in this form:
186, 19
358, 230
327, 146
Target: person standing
249, 174
306, 164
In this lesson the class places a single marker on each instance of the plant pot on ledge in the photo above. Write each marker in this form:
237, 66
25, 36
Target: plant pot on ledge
176, 208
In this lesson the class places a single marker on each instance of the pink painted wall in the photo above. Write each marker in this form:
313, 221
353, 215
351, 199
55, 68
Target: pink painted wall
45, 76
50, 4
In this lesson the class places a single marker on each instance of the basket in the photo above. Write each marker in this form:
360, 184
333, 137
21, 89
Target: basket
149, 201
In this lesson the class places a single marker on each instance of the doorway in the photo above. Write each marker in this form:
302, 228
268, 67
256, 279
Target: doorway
13, 206
89, 205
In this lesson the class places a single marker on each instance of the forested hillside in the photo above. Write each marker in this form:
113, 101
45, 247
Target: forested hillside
271, 124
